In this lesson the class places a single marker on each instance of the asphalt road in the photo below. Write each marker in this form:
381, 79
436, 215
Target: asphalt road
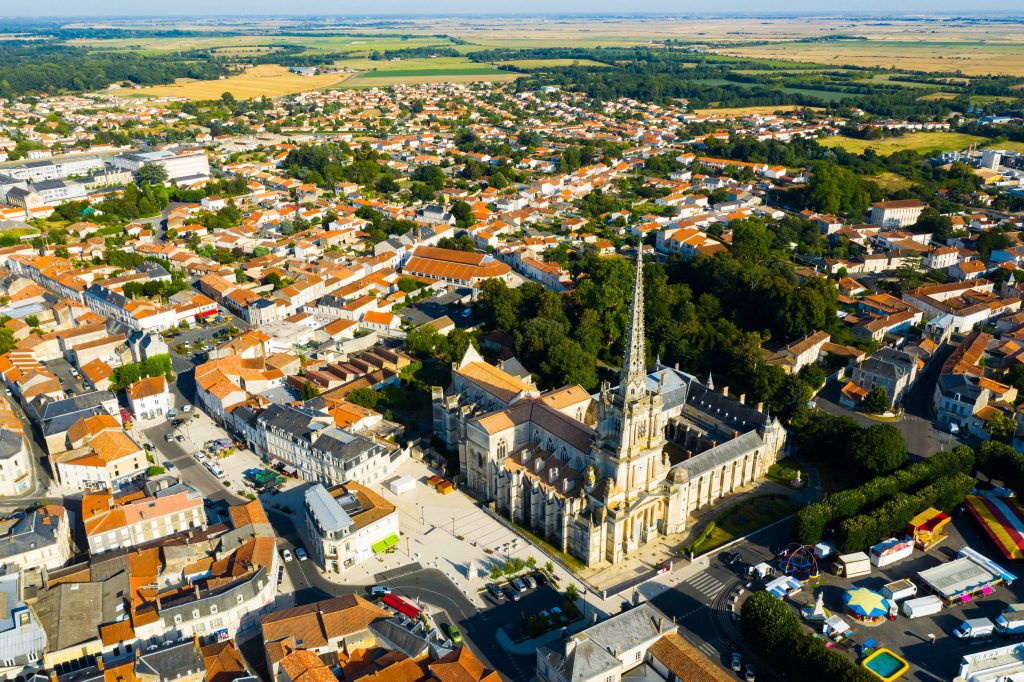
915, 422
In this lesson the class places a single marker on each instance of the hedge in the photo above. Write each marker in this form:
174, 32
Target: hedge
772, 630
877, 493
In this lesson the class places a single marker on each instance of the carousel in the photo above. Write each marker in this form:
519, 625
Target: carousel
867, 606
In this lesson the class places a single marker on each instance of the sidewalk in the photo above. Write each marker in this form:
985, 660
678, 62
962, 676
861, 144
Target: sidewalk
450, 533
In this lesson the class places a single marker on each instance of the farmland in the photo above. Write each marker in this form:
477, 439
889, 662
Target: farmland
222, 44
968, 57
268, 80
544, 63
918, 142
377, 73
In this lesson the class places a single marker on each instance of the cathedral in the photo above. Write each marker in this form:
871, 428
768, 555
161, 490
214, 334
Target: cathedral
600, 476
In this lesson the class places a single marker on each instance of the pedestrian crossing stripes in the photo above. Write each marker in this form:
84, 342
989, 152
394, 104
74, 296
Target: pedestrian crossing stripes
714, 648
706, 584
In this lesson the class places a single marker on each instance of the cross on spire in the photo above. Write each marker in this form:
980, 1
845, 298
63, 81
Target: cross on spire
634, 367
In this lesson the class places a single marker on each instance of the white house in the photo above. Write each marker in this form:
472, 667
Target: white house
149, 397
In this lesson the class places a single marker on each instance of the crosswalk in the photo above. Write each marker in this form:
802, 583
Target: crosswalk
706, 584
714, 649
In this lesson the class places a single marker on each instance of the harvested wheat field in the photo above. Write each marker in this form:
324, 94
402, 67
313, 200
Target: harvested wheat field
267, 80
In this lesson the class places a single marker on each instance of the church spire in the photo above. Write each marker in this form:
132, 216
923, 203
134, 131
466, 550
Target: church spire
634, 367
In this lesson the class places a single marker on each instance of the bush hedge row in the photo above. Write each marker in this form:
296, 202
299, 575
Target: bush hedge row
944, 468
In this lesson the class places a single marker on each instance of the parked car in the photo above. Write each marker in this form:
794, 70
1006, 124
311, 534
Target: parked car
495, 591
749, 674
180, 438
454, 634
559, 615
169, 465
731, 558
199, 456
737, 661
172, 413
286, 554
168, 437
530, 582
541, 578
301, 553
512, 594
187, 408
519, 585
379, 590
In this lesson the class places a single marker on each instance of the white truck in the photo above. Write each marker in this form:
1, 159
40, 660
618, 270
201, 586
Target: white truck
975, 628
898, 590
853, 565
1011, 621
922, 606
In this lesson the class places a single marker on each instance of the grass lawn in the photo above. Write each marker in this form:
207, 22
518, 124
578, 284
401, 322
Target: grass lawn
785, 472
919, 142
19, 232
268, 80
891, 181
744, 518
745, 111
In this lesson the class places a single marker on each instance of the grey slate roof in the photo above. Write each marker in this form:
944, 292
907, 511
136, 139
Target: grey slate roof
326, 510
179, 659
722, 454
11, 443
30, 532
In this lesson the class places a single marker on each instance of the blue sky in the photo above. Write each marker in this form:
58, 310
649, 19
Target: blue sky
361, 7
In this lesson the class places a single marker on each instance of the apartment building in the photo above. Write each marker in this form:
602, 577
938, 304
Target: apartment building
901, 213
135, 519
346, 525
39, 540
149, 397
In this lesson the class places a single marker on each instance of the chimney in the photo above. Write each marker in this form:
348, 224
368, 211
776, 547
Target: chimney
743, 398
725, 391
661, 621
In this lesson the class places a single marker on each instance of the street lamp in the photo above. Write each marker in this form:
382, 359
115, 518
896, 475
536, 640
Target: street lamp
584, 606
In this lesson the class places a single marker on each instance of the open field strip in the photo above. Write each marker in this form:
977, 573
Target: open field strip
267, 80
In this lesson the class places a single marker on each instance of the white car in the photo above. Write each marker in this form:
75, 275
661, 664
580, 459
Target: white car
200, 457
187, 408
286, 554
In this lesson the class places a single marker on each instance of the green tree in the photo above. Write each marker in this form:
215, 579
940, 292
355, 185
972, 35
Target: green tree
308, 391
876, 402
364, 397
572, 593
152, 174
879, 449
1001, 426
767, 623
155, 471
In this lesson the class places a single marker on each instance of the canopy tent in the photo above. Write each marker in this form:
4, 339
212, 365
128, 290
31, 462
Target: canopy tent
865, 603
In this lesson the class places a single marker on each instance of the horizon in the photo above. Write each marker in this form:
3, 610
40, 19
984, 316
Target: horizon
124, 9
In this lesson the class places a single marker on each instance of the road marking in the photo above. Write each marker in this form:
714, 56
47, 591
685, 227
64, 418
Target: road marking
706, 584
709, 651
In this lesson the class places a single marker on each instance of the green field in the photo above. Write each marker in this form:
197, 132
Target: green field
379, 73
919, 142
546, 63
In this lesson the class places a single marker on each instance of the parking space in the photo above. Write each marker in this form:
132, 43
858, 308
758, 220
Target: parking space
926, 642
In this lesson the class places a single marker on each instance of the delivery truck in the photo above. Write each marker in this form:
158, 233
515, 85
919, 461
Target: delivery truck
975, 628
853, 565
922, 606
899, 590
1011, 621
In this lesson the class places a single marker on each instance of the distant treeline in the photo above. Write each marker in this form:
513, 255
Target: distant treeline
30, 68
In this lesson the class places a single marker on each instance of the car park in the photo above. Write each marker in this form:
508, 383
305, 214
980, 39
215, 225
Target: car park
512, 594
530, 582
495, 591
541, 578
519, 585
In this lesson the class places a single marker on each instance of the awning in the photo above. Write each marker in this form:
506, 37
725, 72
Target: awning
391, 540
379, 546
